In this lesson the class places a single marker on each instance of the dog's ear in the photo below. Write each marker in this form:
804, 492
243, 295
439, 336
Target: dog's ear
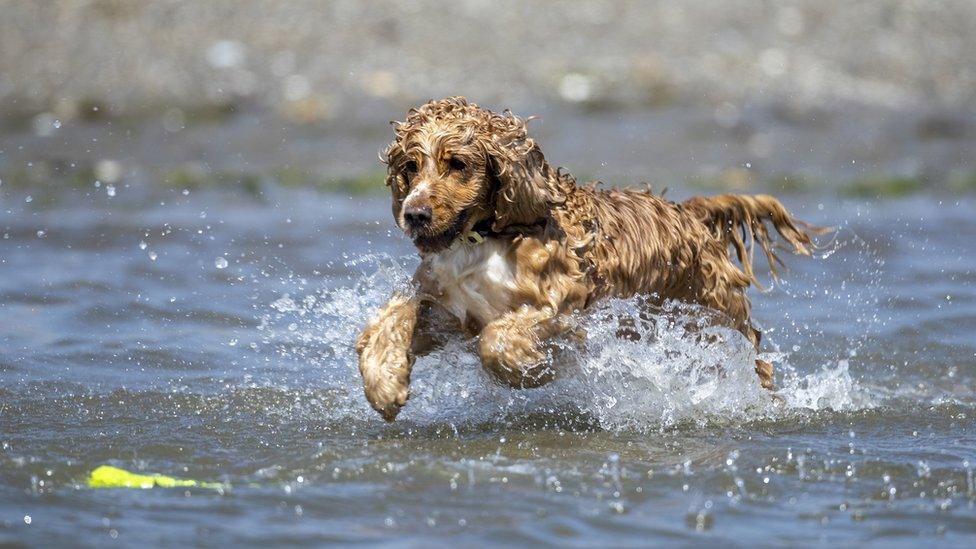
525, 189
395, 159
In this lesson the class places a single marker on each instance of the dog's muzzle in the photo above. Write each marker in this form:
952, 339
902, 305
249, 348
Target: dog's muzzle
417, 218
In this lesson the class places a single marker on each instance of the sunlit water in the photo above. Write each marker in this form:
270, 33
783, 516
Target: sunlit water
208, 336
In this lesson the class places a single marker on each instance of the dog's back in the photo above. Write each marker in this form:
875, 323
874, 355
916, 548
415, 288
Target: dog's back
645, 244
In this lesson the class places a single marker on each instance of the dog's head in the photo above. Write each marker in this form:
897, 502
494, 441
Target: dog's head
454, 165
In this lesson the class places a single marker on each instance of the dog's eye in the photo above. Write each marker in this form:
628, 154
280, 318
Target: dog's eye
456, 164
410, 166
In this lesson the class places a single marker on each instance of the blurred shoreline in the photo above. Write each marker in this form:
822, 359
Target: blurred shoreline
867, 99
854, 152
314, 60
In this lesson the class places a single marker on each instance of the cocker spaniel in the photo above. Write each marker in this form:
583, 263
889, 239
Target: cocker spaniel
511, 248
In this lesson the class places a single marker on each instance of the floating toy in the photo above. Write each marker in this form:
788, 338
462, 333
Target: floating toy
107, 476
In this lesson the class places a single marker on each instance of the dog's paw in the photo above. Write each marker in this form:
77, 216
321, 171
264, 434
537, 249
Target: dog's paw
386, 378
387, 398
513, 357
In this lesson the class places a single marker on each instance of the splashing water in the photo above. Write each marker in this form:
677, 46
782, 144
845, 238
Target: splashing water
680, 369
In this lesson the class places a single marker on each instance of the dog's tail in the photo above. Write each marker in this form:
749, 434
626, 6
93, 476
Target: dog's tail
737, 219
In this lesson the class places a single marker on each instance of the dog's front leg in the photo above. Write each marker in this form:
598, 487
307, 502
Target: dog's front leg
512, 347
385, 356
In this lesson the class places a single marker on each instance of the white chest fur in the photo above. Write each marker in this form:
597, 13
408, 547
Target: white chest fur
474, 281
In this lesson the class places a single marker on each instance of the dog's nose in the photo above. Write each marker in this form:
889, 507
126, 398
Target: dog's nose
417, 218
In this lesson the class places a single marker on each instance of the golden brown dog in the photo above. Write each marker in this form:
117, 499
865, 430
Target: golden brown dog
511, 247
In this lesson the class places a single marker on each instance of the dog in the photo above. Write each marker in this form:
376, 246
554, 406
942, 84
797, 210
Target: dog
511, 248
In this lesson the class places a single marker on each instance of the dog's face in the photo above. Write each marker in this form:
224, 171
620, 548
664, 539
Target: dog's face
442, 186
454, 165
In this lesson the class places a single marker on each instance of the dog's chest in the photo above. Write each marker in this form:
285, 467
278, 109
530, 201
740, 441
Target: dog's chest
474, 282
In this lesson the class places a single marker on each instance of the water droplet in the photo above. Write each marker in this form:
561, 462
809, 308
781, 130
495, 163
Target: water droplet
220, 263
110, 190
29, 199
152, 256
142, 245
41, 234
56, 124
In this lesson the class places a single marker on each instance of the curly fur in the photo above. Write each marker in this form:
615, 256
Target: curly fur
552, 248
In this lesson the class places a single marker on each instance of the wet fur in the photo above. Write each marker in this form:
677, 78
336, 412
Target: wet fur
553, 247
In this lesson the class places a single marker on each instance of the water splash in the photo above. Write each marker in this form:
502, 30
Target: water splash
320, 327
677, 366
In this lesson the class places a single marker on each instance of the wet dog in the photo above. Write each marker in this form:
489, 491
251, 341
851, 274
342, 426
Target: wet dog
511, 247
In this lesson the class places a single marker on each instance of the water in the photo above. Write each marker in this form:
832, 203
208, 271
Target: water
207, 335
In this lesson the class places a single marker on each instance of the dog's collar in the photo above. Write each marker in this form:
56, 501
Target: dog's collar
471, 238
475, 236
468, 239
482, 230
